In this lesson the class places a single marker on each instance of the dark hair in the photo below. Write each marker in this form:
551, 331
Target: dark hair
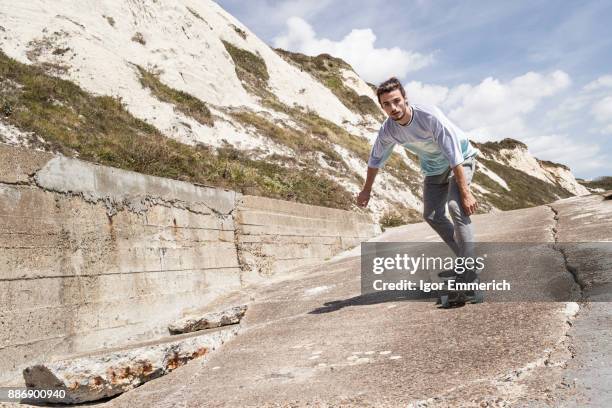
389, 85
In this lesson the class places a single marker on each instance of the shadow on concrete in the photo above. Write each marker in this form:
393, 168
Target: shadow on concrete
375, 298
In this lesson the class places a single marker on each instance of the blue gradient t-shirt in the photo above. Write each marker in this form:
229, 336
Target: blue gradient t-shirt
430, 134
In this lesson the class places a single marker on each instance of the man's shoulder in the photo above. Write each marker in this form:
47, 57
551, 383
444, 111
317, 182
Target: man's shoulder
386, 128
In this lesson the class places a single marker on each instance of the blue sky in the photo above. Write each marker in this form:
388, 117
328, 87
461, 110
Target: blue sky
537, 71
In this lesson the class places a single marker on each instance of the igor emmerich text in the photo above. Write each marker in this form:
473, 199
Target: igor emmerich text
425, 286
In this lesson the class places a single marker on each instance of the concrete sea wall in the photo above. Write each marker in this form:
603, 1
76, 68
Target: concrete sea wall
92, 256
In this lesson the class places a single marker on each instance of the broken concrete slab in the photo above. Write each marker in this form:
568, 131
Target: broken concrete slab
107, 373
211, 320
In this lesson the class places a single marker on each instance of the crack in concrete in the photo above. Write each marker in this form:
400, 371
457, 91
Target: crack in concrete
568, 267
137, 205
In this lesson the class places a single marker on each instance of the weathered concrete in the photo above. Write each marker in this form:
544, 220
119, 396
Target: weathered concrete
313, 340
124, 188
274, 235
17, 165
210, 320
93, 257
111, 372
74, 279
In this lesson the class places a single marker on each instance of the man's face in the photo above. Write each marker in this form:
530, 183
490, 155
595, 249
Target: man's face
394, 104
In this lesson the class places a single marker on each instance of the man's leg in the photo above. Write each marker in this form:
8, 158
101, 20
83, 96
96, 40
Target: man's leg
435, 195
464, 231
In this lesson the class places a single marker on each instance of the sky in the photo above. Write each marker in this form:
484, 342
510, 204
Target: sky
536, 71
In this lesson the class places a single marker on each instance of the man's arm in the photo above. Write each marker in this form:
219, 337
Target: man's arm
364, 196
467, 199
380, 153
445, 135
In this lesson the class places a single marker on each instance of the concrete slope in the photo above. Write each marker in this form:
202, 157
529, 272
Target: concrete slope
314, 341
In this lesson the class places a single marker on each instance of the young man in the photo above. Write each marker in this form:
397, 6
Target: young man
447, 162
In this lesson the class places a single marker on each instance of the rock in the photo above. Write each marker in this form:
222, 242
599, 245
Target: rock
111, 372
207, 321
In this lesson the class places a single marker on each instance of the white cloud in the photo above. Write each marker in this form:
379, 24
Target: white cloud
579, 156
493, 103
493, 109
601, 82
602, 110
417, 92
357, 48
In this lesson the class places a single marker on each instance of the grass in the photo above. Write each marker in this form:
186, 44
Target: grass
495, 147
251, 69
99, 129
182, 101
110, 20
139, 38
299, 141
553, 164
326, 69
195, 14
604, 182
391, 219
239, 31
525, 190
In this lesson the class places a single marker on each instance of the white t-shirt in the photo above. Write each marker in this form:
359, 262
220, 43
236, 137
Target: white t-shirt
437, 141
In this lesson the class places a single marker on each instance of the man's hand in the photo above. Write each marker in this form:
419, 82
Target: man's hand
469, 203
363, 198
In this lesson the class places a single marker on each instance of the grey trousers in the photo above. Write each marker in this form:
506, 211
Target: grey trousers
440, 190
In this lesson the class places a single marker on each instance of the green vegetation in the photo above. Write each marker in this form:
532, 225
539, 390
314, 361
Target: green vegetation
326, 69
139, 38
99, 129
552, 164
239, 31
110, 20
391, 219
251, 69
604, 182
195, 13
525, 190
489, 148
297, 140
182, 101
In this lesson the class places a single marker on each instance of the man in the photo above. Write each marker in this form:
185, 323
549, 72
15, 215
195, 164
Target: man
447, 162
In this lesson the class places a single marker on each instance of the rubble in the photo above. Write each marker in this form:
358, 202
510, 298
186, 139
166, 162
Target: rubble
108, 373
209, 320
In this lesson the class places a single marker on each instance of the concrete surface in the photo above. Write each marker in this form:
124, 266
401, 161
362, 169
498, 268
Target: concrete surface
312, 340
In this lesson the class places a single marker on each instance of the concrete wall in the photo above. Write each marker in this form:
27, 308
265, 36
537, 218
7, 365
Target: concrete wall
92, 256
274, 236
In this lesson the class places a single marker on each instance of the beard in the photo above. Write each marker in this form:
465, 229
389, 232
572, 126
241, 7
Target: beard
397, 116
